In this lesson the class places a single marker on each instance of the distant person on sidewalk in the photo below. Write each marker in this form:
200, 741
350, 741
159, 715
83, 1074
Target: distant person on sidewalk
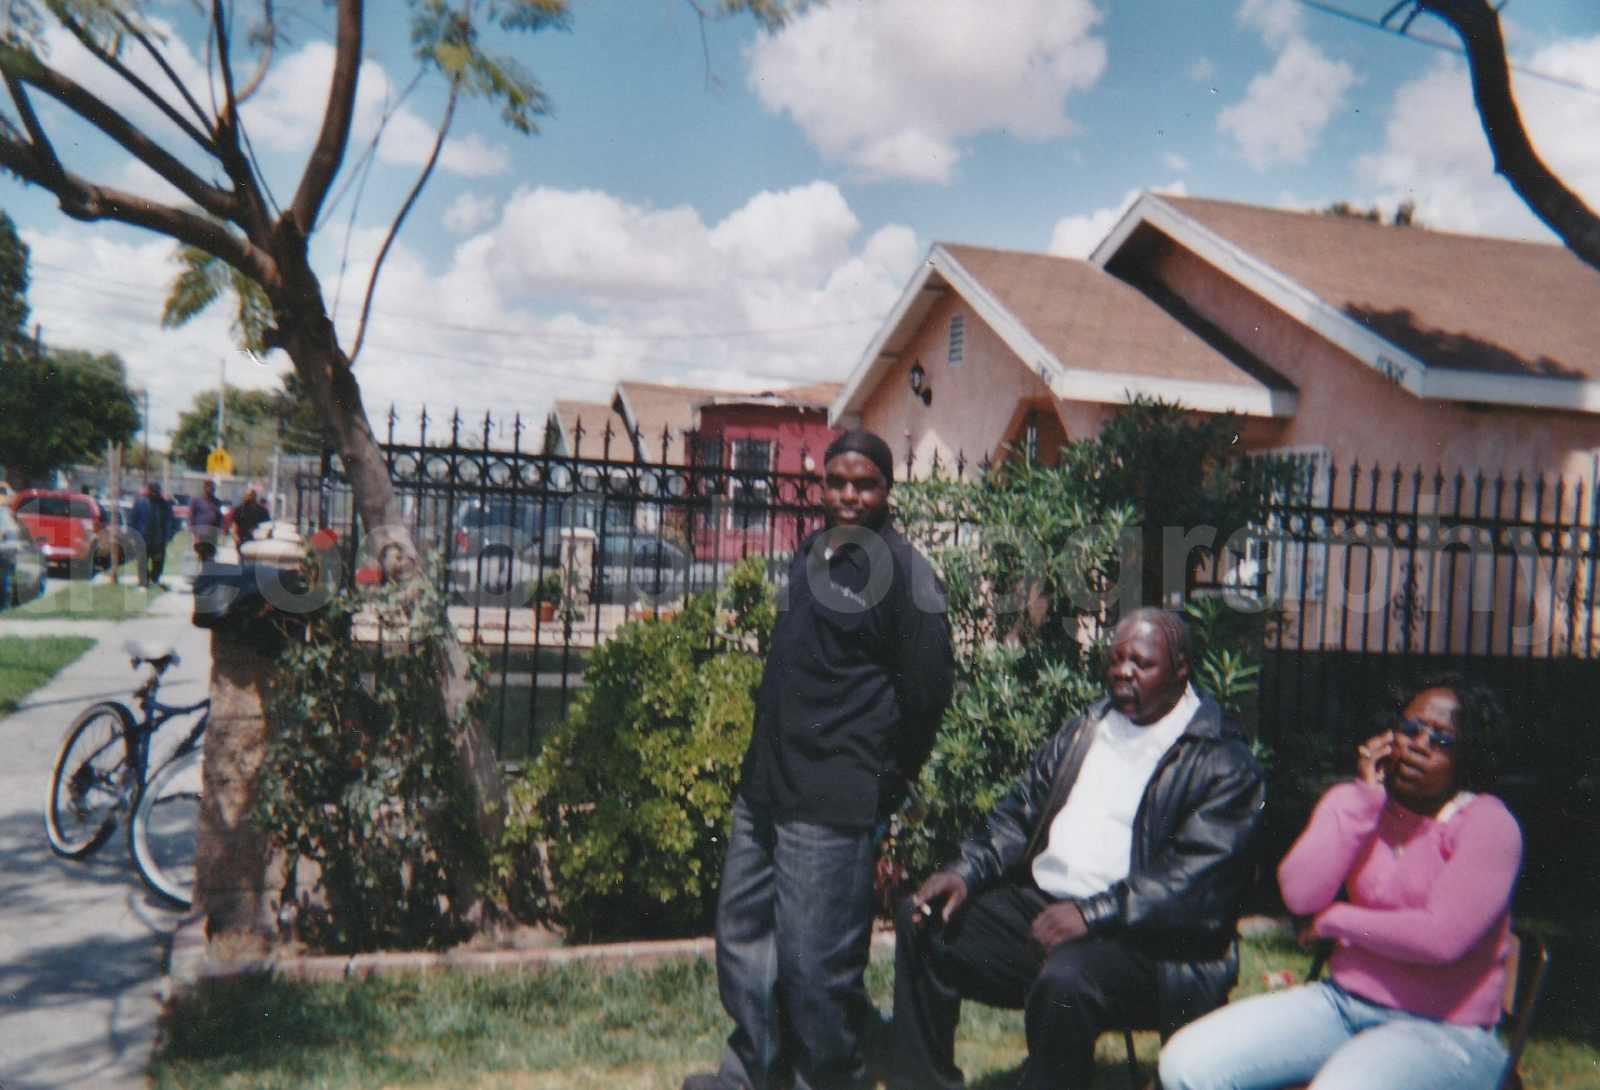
856, 681
205, 522
152, 521
250, 513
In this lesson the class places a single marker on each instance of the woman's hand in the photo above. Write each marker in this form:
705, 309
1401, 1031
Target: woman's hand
1375, 757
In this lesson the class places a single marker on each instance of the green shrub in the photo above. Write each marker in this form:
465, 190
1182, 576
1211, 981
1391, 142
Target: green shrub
361, 778
617, 827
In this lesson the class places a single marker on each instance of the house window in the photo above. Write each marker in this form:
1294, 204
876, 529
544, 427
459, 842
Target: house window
751, 495
958, 340
708, 456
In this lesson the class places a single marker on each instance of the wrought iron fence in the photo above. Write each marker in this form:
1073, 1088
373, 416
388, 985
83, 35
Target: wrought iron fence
1387, 574
1375, 574
543, 555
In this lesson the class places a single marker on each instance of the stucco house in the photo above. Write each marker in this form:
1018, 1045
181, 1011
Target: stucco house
1330, 336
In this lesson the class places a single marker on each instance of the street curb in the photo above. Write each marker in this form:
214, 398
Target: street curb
190, 965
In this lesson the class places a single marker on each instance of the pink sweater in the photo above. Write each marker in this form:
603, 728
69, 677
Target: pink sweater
1426, 923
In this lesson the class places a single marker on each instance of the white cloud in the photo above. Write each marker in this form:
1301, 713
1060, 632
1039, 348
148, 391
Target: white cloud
895, 87
468, 212
560, 296
781, 290
1285, 110
1279, 21
1202, 70
1175, 163
1436, 154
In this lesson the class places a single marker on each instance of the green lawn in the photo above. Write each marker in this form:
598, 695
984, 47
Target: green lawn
27, 662
578, 1027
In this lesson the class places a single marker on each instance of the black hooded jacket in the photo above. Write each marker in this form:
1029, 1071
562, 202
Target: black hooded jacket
1190, 864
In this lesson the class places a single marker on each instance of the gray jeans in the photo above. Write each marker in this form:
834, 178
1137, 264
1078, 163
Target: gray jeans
794, 931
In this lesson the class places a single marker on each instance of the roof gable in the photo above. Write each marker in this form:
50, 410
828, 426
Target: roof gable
1446, 316
1088, 335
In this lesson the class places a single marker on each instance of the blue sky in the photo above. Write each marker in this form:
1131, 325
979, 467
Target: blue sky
720, 206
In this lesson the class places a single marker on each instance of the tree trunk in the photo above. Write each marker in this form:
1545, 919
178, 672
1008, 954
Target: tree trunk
1563, 211
307, 335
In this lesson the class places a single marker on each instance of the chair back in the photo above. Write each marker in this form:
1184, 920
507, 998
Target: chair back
1527, 960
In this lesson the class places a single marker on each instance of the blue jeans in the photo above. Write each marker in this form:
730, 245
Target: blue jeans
1322, 1035
794, 931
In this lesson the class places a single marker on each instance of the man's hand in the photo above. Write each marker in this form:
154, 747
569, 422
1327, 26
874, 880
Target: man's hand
1061, 922
942, 885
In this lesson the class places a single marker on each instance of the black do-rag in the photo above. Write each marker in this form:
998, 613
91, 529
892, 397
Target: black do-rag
866, 443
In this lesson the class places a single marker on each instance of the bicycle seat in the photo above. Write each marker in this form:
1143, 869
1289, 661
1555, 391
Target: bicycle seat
159, 655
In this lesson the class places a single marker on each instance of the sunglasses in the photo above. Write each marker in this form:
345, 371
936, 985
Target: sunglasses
1432, 736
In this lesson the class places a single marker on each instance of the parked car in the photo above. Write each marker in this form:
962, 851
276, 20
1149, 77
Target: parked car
637, 562
68, 522
22, 562
501, 545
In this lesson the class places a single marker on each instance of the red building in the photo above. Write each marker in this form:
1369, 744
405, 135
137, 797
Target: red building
756, 441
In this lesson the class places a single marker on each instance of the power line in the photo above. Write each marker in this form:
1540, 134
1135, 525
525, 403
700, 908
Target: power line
1447, 47
133, 293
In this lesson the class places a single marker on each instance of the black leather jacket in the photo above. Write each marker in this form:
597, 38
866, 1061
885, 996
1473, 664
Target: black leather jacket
1190, 863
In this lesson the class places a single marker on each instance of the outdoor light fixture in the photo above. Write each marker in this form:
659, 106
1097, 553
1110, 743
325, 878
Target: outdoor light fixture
919, 383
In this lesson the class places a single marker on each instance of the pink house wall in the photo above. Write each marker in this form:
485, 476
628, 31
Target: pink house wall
973, 403
1358, 414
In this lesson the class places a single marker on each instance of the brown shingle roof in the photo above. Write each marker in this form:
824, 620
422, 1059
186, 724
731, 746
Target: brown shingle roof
653, 409
593, 416
816, 395
1091, 321
1459, 302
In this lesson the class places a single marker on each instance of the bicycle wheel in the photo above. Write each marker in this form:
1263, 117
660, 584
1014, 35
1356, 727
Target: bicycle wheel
90, 782
165, 823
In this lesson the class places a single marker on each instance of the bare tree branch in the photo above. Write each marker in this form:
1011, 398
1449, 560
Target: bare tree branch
230, 103
49, 161
112, 62
250, 208
328, 153
400, 218
84, 200
1563, 211
269, 42
92, 109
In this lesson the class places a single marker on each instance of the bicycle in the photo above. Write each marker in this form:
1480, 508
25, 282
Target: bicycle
102, 772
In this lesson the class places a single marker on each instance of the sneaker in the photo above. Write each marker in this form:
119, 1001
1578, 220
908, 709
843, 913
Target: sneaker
704, 1081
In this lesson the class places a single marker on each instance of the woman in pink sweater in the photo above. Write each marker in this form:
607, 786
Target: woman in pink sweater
1426, 866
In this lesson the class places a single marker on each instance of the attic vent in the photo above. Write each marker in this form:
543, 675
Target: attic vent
958, 339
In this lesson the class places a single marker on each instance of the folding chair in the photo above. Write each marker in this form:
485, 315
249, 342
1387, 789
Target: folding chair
1526, 964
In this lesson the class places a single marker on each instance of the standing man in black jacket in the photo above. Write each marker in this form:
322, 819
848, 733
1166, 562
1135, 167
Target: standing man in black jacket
856, 681
1104, 889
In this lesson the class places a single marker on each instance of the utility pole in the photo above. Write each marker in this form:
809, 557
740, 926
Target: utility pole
147, 437
222, 398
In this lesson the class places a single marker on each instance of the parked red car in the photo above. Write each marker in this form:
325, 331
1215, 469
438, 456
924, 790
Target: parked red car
68, 523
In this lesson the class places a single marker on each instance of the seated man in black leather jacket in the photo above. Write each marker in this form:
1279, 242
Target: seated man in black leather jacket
1103, 890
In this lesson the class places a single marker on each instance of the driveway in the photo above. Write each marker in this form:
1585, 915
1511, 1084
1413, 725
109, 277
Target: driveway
82, 944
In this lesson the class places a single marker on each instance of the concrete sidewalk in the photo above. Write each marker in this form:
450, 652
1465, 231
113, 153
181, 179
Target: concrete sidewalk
81, 943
